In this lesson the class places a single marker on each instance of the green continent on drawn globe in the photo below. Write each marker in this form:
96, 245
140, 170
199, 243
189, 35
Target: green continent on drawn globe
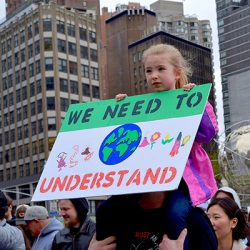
120, 144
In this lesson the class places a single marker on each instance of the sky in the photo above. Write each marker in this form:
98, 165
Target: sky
205, 10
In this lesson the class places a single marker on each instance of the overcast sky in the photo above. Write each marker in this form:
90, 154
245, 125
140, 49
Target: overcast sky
204, 10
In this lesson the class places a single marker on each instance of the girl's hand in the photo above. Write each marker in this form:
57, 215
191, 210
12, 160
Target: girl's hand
188, 86
120, 97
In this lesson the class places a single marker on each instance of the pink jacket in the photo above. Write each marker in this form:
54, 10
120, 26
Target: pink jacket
198, 173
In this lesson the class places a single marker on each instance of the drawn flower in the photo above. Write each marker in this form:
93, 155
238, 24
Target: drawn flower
154, 137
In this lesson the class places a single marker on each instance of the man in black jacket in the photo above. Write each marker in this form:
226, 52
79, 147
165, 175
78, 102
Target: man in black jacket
79, 228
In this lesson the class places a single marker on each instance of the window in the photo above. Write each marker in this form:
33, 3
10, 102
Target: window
34, 148
73, 68
25, 112
62, 65
32, 108
36, 27
50, 83
60, 27
19, 133
94, 73
93, 55
63, 85
31, 70
92, 36
32, 89
22, 36
33, 128
12, 136
49, 64
47, 43
40, 126
85, 71
24, 92
17, 75
47, 24
72, 48
13, 156
39, 106
35, 166
61, 44
71, 29
18, 95
51, 103
38, 67
64, 104
85, 89
95, 91
51, 123
37, 47
84, 52
22, 55
23, 74
83, 34
29, 31
38, 86
30, 50
74, 87
25, 131
16, 58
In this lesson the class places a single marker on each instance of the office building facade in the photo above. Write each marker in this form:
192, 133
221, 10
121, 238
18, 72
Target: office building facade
233, 19
49, 60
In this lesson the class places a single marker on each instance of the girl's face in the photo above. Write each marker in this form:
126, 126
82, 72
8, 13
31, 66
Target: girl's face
222, 224
160, 74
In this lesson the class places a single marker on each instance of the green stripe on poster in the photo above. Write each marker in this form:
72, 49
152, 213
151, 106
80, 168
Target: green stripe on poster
139, 108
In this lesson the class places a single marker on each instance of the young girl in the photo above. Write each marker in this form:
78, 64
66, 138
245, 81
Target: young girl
166, 69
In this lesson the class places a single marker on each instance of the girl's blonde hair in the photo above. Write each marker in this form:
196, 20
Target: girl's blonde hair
174, 57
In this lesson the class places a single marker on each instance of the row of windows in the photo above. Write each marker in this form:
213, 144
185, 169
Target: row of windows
23, 170
18, 39
21, 94
36, 127
73, 87
20, 57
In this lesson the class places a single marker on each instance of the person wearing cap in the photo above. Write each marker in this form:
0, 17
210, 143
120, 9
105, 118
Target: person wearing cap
78, 227
11, 238
224, 192
41, 227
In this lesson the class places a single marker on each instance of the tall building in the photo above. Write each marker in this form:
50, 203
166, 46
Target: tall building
121, 30
233, 18
171, 18
13, 6
49, 59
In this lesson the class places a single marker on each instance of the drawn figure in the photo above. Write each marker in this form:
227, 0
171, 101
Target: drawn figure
154, 138
87, 153
167, 139
61, 160
144, 143
177, 144
185, 140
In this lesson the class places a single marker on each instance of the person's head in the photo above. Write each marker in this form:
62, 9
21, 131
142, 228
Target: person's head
36, 218
3, 205
165, 67
227, 219
224, 192
8, 214
73, 211
21, 210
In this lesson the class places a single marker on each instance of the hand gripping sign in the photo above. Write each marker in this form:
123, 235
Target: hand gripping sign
139, 144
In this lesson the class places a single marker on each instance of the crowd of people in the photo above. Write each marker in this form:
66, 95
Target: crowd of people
168, 220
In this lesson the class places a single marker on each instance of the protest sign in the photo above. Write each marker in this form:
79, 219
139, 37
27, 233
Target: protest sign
139, 144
